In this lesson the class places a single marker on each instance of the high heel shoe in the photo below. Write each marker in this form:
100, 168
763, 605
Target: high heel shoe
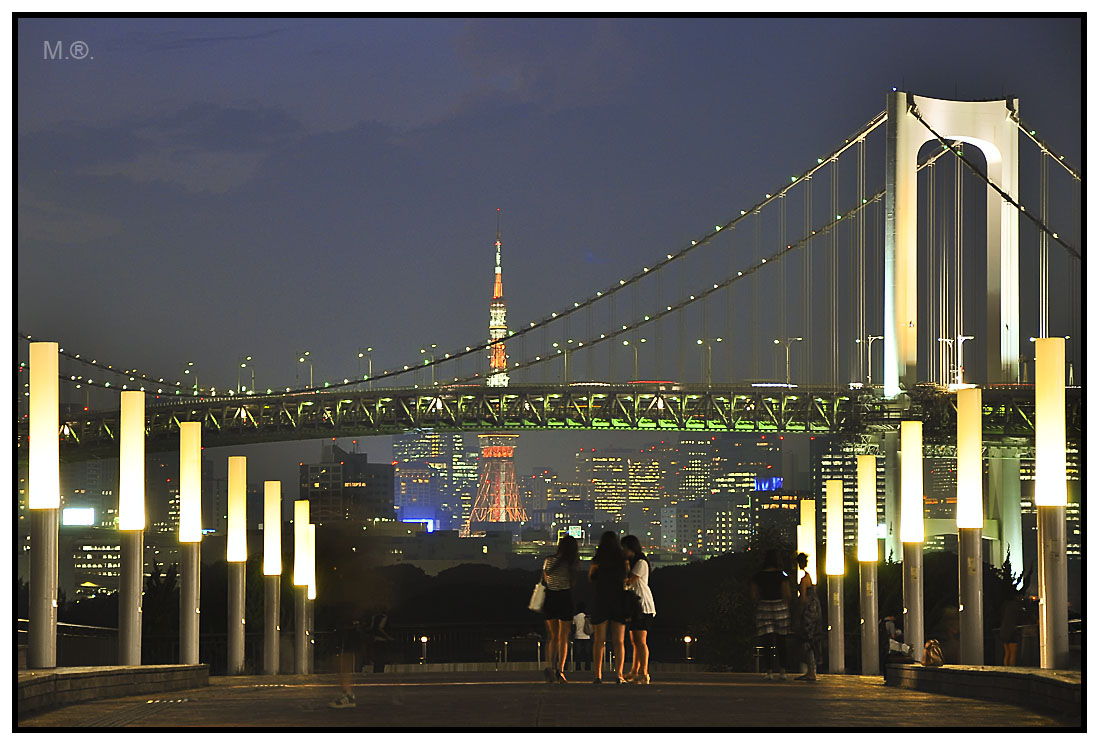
631, 677
561, 677
620, 680
642, 679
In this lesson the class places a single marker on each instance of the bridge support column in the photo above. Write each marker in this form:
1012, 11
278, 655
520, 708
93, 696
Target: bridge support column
271, 590
912, 593
236, 618
970, 597
129, 596
311, 647
301, 634
1005, 504
189, 593
868, 608
42, 636
835, 624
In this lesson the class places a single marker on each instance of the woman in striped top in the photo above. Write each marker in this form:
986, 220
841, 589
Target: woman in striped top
557, 575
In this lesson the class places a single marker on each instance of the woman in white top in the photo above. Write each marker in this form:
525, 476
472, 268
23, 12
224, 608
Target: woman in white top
558, 572
638, 582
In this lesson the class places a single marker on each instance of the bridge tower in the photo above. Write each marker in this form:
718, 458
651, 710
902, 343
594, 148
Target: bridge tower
497, 322
992, 126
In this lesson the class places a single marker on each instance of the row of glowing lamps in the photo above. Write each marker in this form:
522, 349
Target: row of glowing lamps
44, 482
1050, 441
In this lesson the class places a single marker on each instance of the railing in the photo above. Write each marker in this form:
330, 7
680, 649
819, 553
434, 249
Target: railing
77, 645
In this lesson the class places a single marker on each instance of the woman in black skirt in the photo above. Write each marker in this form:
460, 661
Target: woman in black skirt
557, 575
608, 572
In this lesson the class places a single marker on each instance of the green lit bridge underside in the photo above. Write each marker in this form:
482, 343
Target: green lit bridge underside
1008, 413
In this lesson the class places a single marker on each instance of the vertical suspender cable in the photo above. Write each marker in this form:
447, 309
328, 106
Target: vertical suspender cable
860, 255
782, 299
833, 305
1043, 250
683, 333
932, 328
754, 323
730, 328
959, 277
590, 356
807, 291
612, 352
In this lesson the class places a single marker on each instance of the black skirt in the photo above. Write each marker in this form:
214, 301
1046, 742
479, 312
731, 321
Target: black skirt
558, 605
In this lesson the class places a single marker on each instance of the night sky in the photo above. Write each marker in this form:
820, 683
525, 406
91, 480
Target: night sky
198, 190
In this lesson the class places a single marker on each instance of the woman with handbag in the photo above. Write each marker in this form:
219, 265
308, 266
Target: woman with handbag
643, 611
811, 620
557, 575
608, 573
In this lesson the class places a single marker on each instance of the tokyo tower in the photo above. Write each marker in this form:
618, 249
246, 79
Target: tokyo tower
497, 495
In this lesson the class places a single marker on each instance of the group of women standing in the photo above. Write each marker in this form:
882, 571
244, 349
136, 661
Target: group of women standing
619, 573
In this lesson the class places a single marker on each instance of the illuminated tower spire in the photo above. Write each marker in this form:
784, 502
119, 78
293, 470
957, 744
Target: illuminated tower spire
497, 322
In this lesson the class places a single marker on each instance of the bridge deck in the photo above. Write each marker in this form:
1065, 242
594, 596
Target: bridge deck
514, 700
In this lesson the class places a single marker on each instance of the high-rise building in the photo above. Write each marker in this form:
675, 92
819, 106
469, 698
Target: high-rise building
682, 528
833, 459
1073, 534
696, 471
346, 487
646, 476
776, 514
729, 515
643, 521
605, 474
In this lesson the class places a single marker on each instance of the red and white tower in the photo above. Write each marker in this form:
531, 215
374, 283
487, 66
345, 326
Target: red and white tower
497, 493
498, 322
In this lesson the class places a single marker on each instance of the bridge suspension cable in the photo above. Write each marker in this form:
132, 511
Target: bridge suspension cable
1004, 195
700, 295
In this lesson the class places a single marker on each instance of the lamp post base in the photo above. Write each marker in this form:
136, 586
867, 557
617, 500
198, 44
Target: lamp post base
235, 664
868, 609
42, 626
970, 597
272, 588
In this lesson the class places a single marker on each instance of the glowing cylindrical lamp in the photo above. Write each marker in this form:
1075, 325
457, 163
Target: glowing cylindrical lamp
311, 554
912, 482
1050, 484
131, 461
236, 546
44, 470
44, 501
190, 482
970, 502
272, 528
301, 537
833, 527
1051, 498
867, 480
807, 540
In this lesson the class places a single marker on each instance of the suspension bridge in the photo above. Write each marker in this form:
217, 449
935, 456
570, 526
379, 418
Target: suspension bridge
694, 339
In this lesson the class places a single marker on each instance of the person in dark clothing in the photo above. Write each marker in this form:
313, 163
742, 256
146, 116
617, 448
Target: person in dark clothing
1011, 618
608, 572
811, 626
771, 595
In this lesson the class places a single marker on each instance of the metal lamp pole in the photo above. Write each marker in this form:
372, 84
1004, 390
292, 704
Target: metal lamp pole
432, 353
961, 368
626, 343
365, 352
244, 362
788, 342
709, 355
187, 368
304, 357
869, 358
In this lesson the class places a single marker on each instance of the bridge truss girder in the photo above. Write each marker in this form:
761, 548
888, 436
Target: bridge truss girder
1008, 414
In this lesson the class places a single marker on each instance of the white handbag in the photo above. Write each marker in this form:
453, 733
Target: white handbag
537, 598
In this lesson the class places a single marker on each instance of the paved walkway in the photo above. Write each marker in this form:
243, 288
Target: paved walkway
483, 701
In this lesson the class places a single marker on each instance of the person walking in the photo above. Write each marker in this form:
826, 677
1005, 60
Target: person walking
557, 574
771, 594
641, 621
1011, 618
811, 620
608, 573
581, 634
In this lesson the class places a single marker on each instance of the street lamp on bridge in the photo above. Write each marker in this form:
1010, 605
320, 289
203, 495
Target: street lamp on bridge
187, 368
563, 349
431, 350
869, 358
246, 362
626, 343
789, 341
709, 355
365, 352
304, 357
